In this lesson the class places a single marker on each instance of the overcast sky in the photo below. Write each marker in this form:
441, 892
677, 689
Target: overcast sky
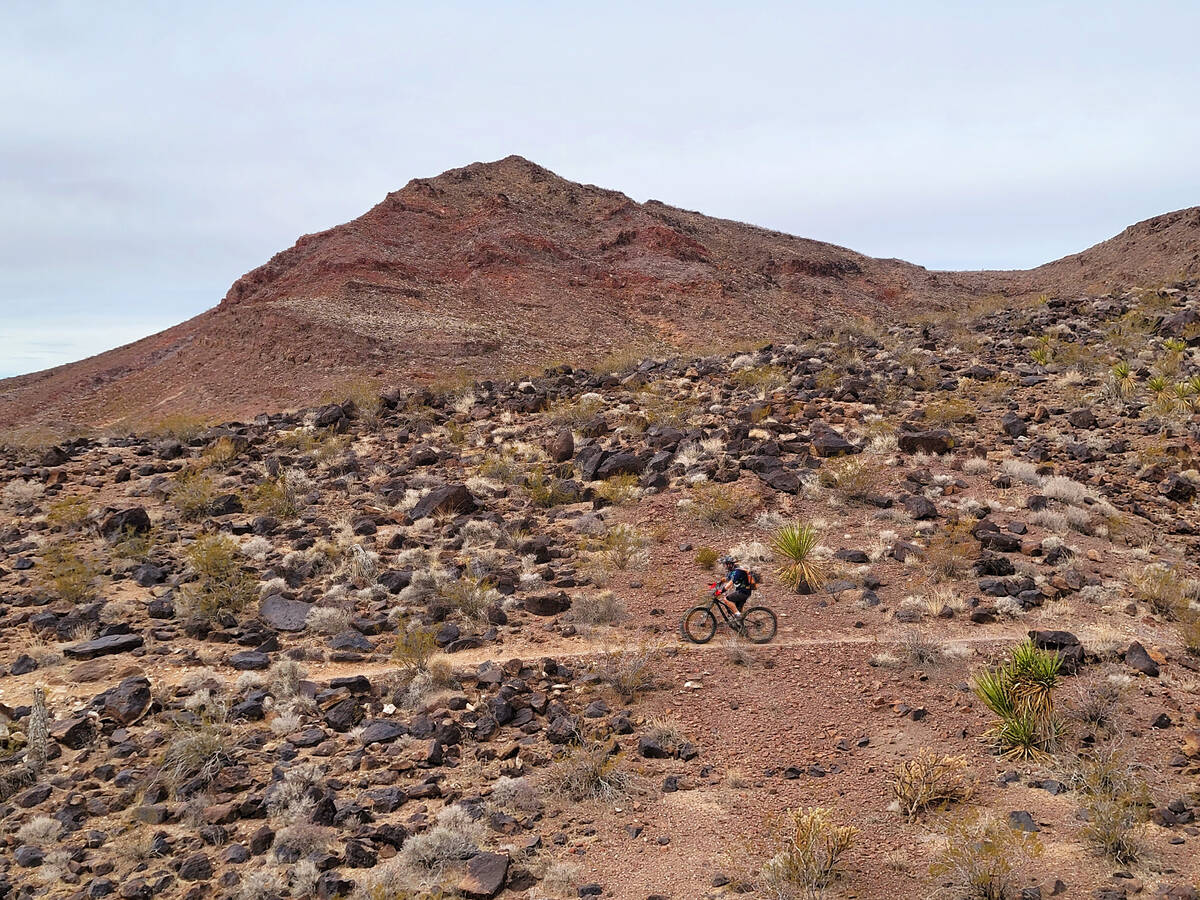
150, 153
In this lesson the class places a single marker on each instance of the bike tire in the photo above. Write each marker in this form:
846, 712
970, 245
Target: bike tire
759, 624
698, 625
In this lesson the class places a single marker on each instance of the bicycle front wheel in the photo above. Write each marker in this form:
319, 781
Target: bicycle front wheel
699, 625
759, 624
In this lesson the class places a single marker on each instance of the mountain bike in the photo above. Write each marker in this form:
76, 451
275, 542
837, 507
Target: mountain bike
699, 624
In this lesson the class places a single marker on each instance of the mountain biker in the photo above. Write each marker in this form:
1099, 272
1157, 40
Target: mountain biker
737, 586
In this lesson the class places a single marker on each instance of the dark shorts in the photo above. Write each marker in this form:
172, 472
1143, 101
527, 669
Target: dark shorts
739, 598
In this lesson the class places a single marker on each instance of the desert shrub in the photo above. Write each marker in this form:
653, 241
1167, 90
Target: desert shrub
810, 855
516, 794
763, 378
948, 409
602, 608
327, 619
220, 454
415, 646
193, 493
136, 545
853, 478
574, 413
504, 466
618, 489
589, 771
919, 646
1020, 692
1114, 801
797, 545
984, 858
624, 547
183, 427
281, 496
221, 585
469, 597
68, 571
975, 465
39, 830
68, 513
360, 566
546, 491
456, 836
706, 557
1095, 703
951, 551
1159, 587
929, 780
722, 503
629, 670
197, 750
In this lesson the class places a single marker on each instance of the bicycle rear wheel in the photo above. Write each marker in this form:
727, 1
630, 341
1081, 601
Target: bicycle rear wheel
759, 624
698, 625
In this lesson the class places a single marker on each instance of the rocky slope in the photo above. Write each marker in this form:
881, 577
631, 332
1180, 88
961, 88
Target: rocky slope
506, 266
218, 646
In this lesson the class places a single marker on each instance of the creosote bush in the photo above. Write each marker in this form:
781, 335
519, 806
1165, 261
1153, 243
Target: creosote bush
929, 780
852, 478
68, 570
589, 771
193, 493
984, 858
810, 856
415, 646
221, 584
722, 503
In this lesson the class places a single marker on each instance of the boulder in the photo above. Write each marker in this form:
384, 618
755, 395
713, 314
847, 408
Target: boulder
826, 442
938, 440
547, 604
454, 499
103, 646
283, 614
920, 507
135, 519
1138, 659
1064, 643
381, 731
484, 876
1014, 426
561, 447
1178, 488
128, 701
620, 464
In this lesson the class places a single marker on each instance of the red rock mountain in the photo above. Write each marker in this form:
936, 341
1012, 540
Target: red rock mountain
502, 266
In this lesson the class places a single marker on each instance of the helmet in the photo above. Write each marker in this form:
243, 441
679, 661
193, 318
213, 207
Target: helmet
728, 561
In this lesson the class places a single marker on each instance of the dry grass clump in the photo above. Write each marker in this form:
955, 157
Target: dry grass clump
618, 489
198, 750
601, 608
629, 670
810, 855
589, 771
455, 837
1115, 800
920, 647
1160, 588
1096, 703
983, 857
469, 597
930, 780
221, 584
68, 570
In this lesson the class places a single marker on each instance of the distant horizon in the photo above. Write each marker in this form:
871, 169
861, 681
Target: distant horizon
149, 156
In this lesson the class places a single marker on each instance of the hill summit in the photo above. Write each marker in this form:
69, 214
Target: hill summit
506, 266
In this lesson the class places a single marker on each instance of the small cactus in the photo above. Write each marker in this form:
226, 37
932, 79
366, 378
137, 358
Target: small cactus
39, 731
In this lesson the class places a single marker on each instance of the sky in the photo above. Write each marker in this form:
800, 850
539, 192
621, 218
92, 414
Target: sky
151, 153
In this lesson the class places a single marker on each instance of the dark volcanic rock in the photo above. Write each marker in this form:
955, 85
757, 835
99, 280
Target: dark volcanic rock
283, 614
936, 441
103, 646
449, 498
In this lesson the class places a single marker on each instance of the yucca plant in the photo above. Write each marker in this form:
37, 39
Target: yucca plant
1174, 345
1020, 691
1122, 379
801, 570
1157, 385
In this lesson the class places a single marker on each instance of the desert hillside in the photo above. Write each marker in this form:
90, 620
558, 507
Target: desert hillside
505, 267
427, 644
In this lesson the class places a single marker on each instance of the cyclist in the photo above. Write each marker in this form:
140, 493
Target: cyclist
735, 590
